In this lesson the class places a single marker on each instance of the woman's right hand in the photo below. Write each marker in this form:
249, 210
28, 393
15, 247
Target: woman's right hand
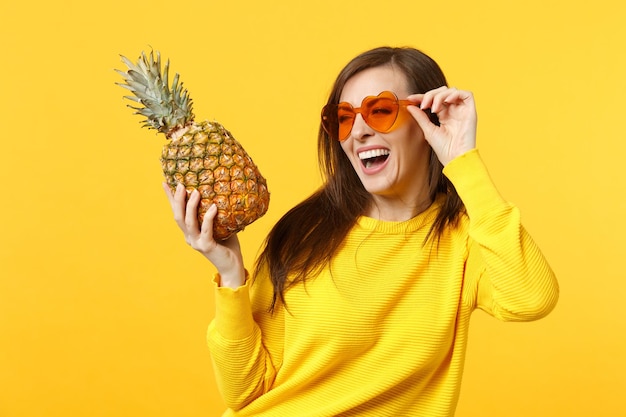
224, 255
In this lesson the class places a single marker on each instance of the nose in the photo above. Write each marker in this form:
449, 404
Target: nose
360, 129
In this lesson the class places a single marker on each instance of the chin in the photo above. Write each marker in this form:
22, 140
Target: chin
378, 187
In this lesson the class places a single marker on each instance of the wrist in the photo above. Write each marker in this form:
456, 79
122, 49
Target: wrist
232, 279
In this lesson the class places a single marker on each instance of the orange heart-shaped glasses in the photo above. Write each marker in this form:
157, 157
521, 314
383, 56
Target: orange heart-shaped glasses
379, 112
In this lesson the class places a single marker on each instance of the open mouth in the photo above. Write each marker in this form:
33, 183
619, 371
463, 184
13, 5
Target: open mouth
374, 157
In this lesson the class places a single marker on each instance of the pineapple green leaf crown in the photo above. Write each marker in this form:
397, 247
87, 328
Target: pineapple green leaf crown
165, 109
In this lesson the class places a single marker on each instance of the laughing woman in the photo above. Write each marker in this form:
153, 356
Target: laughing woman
361, 298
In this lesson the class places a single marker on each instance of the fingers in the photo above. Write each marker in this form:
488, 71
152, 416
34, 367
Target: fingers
423, 120
225, 256
186, 215
168, 192
184, 210
178, 201
206, 231
425, 100
440, 98
191, 211
455, 133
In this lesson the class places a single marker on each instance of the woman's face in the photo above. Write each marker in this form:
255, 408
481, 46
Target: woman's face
394, 165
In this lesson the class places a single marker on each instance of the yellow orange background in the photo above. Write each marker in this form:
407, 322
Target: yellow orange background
103, 308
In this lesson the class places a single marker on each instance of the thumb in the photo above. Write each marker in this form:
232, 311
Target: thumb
423, 121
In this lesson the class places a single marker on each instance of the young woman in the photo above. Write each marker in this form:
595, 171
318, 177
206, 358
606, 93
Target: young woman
361, 298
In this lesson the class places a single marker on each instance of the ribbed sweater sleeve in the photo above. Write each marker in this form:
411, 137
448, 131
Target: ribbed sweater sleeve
243, 366
506, 273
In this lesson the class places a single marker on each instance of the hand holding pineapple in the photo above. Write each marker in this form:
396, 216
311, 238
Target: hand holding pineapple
225, 255
204, 157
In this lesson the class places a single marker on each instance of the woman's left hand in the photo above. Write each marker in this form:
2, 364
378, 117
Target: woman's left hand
456, 111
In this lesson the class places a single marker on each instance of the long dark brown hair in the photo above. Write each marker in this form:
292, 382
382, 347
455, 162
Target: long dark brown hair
305, 239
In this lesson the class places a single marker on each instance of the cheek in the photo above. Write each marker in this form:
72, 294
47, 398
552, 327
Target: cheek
410, 137
415, 150
421, 152
415, 131
347, 150
417, 139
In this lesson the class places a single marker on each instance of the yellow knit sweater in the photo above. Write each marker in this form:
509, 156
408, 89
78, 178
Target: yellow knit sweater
383, 330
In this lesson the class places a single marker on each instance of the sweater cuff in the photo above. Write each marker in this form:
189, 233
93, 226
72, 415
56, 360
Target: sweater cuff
233, 316
469, 176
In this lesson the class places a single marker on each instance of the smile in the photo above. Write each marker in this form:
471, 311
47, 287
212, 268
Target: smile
373, 157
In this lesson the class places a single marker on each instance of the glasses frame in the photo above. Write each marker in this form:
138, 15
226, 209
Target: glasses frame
330, 124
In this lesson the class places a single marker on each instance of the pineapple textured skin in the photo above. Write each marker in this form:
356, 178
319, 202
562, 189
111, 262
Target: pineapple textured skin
202, 156
208, 158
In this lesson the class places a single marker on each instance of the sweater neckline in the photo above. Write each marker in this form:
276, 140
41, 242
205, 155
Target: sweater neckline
425, 218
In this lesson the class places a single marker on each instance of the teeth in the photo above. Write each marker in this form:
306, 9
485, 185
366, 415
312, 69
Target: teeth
373, 153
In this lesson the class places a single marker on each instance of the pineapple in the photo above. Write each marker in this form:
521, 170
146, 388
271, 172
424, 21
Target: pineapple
200, 155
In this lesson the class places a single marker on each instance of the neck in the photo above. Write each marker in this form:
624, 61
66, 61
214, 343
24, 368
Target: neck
397, 210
